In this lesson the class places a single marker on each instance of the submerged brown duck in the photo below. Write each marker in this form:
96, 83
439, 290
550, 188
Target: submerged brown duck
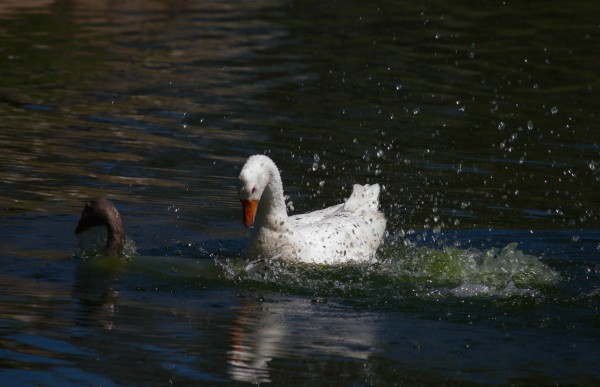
101, 211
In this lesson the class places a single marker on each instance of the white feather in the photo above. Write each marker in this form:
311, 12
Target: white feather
351, 231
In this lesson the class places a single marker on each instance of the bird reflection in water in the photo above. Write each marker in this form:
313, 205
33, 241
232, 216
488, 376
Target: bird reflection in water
255, 340
96, 288
267, 330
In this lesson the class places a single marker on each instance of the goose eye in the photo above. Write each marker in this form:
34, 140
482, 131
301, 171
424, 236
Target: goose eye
253, 189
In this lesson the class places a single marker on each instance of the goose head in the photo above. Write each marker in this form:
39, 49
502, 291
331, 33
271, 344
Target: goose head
254, 179
101, 212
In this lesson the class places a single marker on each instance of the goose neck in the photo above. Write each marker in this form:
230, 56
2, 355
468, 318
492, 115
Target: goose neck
115, 236
272, 210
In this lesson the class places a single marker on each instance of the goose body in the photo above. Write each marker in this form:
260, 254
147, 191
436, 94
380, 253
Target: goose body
351, 231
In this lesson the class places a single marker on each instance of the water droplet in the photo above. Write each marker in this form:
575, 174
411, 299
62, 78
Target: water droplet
380, 153
398, 87
501, 126
315, 166
321, 183
530, 125
416, 110
554, 110
316, 158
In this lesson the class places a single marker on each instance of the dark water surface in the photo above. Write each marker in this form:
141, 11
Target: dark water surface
479, 120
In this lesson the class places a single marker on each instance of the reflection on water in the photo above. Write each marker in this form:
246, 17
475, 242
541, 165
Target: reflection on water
480, 125
96, 286
256, 340
299, 328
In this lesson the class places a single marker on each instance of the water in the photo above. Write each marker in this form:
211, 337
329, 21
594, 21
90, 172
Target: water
480, 124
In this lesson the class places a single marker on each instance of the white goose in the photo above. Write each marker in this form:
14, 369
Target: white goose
351, 231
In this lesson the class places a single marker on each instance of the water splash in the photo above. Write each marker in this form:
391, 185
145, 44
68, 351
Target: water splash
92, 242
404, 270
494, 267
472, 272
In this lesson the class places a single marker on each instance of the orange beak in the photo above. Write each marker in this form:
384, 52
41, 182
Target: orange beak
249, 207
